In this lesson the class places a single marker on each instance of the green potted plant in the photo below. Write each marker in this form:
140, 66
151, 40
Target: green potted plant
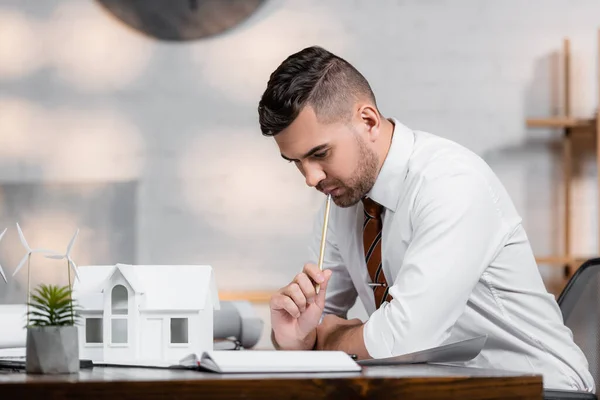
52, 345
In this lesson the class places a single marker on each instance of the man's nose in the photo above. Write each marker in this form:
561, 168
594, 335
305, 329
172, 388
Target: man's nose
313, 174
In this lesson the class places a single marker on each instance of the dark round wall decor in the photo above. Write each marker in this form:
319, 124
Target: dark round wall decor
181, 19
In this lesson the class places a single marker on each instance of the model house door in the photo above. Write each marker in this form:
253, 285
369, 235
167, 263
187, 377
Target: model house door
152, 339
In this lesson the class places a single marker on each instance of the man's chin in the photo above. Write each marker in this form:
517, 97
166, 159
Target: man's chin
344, 201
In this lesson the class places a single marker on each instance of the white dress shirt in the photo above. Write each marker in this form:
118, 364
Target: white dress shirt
458, 262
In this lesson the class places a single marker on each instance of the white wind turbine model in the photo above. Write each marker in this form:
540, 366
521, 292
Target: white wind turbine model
70, 264
27, 257
67, 256
1, 270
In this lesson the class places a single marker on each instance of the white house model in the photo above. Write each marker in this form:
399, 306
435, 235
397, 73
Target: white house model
133, 313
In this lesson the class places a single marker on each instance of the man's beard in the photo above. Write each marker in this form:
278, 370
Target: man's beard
362, 180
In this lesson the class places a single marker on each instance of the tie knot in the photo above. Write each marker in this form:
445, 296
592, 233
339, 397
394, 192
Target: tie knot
372, 208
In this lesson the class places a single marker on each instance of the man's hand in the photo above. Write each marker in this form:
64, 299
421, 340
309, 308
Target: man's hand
336, 333
296, 309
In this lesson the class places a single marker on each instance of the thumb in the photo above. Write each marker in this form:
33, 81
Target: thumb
320, 298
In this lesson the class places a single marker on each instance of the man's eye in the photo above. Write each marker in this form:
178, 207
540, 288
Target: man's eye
320, 155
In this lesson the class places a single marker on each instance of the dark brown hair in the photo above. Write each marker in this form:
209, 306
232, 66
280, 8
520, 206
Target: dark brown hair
315, 77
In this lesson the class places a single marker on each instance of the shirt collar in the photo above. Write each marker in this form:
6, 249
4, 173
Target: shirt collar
388, 185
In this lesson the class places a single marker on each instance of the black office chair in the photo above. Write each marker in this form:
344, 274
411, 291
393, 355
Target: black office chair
580, 305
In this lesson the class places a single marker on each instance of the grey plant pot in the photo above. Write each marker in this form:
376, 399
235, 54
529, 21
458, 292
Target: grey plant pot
52, 350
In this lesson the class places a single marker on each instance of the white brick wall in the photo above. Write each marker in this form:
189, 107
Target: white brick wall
83, 98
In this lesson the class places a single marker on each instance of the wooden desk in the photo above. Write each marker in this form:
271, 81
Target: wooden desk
402, 382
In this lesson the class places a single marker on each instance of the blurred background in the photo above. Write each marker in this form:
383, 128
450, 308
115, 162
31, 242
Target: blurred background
136, 122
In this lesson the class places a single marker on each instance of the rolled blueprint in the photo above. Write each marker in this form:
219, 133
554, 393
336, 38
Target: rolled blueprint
238, 319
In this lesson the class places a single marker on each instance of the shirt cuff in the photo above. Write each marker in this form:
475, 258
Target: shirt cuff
377, 336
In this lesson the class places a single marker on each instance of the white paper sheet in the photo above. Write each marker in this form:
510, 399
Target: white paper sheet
17, 352
463, 350
12, 329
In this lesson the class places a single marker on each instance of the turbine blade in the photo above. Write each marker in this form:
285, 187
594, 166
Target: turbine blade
45, 251
3, 232
56, 257
21, 264
71, 242
22, 237
74, 267
2, 273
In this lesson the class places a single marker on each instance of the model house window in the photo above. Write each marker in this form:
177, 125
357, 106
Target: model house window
93, 330
119, 308
119, 300
179, 330
119, 330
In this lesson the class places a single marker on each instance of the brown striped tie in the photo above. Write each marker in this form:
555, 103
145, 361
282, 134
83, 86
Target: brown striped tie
372, 227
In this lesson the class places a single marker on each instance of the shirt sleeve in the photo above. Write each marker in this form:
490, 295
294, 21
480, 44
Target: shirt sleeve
457, 231
341, 293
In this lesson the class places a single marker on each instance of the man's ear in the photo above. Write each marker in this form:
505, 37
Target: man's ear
370, 121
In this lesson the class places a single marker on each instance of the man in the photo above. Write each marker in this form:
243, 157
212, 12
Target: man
421, 230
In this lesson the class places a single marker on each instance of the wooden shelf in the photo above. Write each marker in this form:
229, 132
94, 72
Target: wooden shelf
569, 124
560, 122
256, 296
561, 260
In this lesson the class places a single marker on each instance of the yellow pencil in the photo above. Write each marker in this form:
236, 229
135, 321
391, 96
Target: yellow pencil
324, 237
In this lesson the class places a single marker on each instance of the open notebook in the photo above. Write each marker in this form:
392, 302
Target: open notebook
259, 361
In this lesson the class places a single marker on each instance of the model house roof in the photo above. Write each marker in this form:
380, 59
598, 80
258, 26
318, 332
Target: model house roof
163, 287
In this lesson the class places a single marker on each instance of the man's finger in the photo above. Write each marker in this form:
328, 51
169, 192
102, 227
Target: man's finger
320, 298
295, 293
314, 273
306, 285
283, 302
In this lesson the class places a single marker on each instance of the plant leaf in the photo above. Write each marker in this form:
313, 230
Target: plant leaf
53, 305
